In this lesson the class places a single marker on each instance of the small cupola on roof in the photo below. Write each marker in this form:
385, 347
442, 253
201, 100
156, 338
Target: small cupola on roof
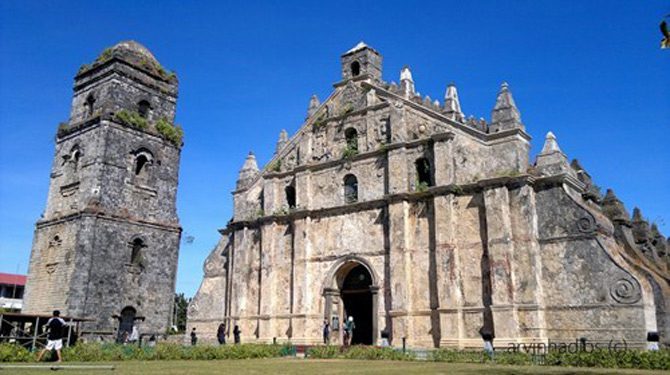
363, 62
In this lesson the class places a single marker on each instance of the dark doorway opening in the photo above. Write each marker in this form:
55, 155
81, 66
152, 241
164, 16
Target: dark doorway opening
357, 298
126, 323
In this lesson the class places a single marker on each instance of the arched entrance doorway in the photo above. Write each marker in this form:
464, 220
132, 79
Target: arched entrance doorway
352, 291
126, 323
357, 298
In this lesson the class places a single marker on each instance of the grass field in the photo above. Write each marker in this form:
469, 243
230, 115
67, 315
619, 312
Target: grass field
301, 366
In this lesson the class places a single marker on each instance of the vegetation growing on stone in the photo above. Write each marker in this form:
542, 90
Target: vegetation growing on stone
319, 122
151, 66
275, 166
349, 151
421, 186
348, 108
131, 118
171, 132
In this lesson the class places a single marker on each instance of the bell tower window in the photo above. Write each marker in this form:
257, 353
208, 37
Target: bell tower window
136, 252
143, 108
350, 188
143, 161
141, 165
90, 104
355, 68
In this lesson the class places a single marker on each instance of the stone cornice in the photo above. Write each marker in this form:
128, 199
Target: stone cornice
559, 179
436, 191
92, 123
88, 213
362, 156
510, 182
98, 69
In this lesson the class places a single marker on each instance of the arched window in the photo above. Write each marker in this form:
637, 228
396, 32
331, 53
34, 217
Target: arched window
143, 108
143, 161
290, 196
355, 68
140, 164
89, 104
350, 188
351, 135
136, 252
75, 155
423, 172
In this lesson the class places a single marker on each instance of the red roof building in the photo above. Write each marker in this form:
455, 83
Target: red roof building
12, 279
11, 290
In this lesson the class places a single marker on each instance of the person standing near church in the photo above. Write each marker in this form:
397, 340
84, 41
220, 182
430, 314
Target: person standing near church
194, 337
326, 332
221, 334
236, 334
56, 327
349, 327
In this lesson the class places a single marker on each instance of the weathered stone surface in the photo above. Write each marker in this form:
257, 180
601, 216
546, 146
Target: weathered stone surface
449, 232
109, 236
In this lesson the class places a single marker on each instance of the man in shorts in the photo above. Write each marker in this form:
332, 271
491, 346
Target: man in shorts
56, 326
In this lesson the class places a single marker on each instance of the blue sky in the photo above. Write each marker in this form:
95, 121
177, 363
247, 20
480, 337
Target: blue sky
590, 71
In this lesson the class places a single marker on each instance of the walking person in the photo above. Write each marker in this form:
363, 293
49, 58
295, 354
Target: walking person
194, 337
134, 335
236, 334
488, 337
349, 328
326, 332
221, 334
56, 327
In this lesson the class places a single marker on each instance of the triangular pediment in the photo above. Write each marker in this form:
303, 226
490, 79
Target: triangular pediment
345, 99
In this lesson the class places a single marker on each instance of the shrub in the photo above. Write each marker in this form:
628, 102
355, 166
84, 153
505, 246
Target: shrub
656, 360
371, 353
324, 352
131, 118
349, 151
14, 353
454, 356
173, 133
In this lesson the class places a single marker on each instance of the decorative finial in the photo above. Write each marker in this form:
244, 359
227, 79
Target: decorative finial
505, 114
248, 172
452, 105
281, 142
550, 144
313, 105
406, 82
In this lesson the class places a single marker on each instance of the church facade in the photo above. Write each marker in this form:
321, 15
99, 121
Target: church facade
106, 246
401, 212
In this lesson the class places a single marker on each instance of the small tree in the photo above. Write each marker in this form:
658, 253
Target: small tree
180, 307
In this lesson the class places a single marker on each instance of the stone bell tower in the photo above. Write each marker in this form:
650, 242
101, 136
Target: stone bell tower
106, 247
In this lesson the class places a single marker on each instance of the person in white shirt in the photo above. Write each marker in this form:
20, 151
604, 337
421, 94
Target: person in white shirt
134, 335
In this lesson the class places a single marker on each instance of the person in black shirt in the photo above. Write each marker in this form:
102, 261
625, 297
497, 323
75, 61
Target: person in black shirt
236, 334
56, 326
221, 334
194, 337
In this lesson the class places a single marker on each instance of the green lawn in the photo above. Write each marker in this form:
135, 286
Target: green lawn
309, 366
